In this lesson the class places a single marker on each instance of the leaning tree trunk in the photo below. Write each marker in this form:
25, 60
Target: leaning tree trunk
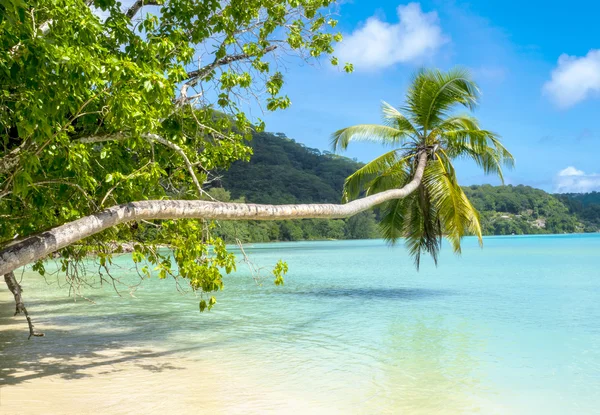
39, 246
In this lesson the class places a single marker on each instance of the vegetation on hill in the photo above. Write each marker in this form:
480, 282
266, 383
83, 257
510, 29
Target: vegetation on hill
303, 174
520, 210
586, 206
284, 171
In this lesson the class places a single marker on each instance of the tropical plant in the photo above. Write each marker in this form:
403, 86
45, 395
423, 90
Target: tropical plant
105, 102
426, 124
419, 170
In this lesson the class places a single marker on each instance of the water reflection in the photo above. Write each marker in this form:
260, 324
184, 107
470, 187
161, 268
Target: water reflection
430, 366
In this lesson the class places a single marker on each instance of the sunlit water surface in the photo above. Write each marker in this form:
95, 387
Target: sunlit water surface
511, 329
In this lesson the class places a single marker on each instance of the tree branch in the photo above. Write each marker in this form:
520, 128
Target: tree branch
199, 74
15, 288
135, 7
11, 159
39, 246
150, 138
186, 160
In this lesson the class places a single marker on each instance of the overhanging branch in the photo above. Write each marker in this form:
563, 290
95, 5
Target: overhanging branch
39, 246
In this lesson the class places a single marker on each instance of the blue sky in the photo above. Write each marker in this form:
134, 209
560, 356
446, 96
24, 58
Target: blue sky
536, 64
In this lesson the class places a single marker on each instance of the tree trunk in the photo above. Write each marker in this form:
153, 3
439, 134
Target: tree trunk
15, 288
39, 246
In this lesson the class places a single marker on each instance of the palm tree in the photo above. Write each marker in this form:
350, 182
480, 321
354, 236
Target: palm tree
426, 124
415, 184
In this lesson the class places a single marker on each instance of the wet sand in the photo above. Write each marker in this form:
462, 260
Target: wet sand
123, 380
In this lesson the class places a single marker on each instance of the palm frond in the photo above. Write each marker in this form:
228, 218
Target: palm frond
434, 93
380, 134
459, 122
422, 228
457, 215
413, 219
357, 181
505, 156
474, 222
394, 178
489, 159
393, 219
462, 134
392, 117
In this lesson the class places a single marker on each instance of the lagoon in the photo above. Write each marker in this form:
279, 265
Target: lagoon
510, 329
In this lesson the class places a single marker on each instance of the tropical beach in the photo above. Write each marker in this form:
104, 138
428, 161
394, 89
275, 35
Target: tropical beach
298, 206
517, 338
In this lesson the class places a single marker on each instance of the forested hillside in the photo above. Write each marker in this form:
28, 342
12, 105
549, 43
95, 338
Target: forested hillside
519, 210
586, 206
283, 171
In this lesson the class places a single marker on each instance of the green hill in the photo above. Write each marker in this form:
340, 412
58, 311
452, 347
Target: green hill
521, 210
284, 171
586, 206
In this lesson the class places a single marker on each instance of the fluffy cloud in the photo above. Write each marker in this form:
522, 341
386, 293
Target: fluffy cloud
572, 180
574, 79
379, 44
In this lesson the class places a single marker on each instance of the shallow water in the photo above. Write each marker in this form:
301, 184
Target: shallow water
513, 328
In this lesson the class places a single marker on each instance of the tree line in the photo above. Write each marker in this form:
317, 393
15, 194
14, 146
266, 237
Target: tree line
282, 170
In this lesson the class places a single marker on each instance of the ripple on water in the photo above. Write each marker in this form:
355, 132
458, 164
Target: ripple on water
508, 329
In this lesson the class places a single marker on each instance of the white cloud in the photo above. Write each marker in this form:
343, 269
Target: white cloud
379, 44
571, 171
574, 79
572, 180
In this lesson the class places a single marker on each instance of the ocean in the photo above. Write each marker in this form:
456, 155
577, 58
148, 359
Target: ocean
513, 328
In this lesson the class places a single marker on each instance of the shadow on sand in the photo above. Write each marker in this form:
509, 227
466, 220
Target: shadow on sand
77, 342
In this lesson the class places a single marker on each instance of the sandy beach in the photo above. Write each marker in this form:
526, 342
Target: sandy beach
126, 380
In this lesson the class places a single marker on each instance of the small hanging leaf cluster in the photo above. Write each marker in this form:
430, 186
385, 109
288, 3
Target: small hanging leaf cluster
281, 268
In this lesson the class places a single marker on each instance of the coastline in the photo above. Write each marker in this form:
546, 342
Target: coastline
124, 379
355, 329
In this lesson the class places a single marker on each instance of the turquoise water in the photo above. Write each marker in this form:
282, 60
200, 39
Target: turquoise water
513, 328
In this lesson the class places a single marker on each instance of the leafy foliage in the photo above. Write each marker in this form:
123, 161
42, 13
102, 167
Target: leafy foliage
142, 103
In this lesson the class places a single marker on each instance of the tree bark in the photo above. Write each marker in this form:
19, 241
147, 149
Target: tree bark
15, 288
135, 7
39, 246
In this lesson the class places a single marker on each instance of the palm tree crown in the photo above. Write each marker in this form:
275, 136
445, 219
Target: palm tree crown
426, 123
